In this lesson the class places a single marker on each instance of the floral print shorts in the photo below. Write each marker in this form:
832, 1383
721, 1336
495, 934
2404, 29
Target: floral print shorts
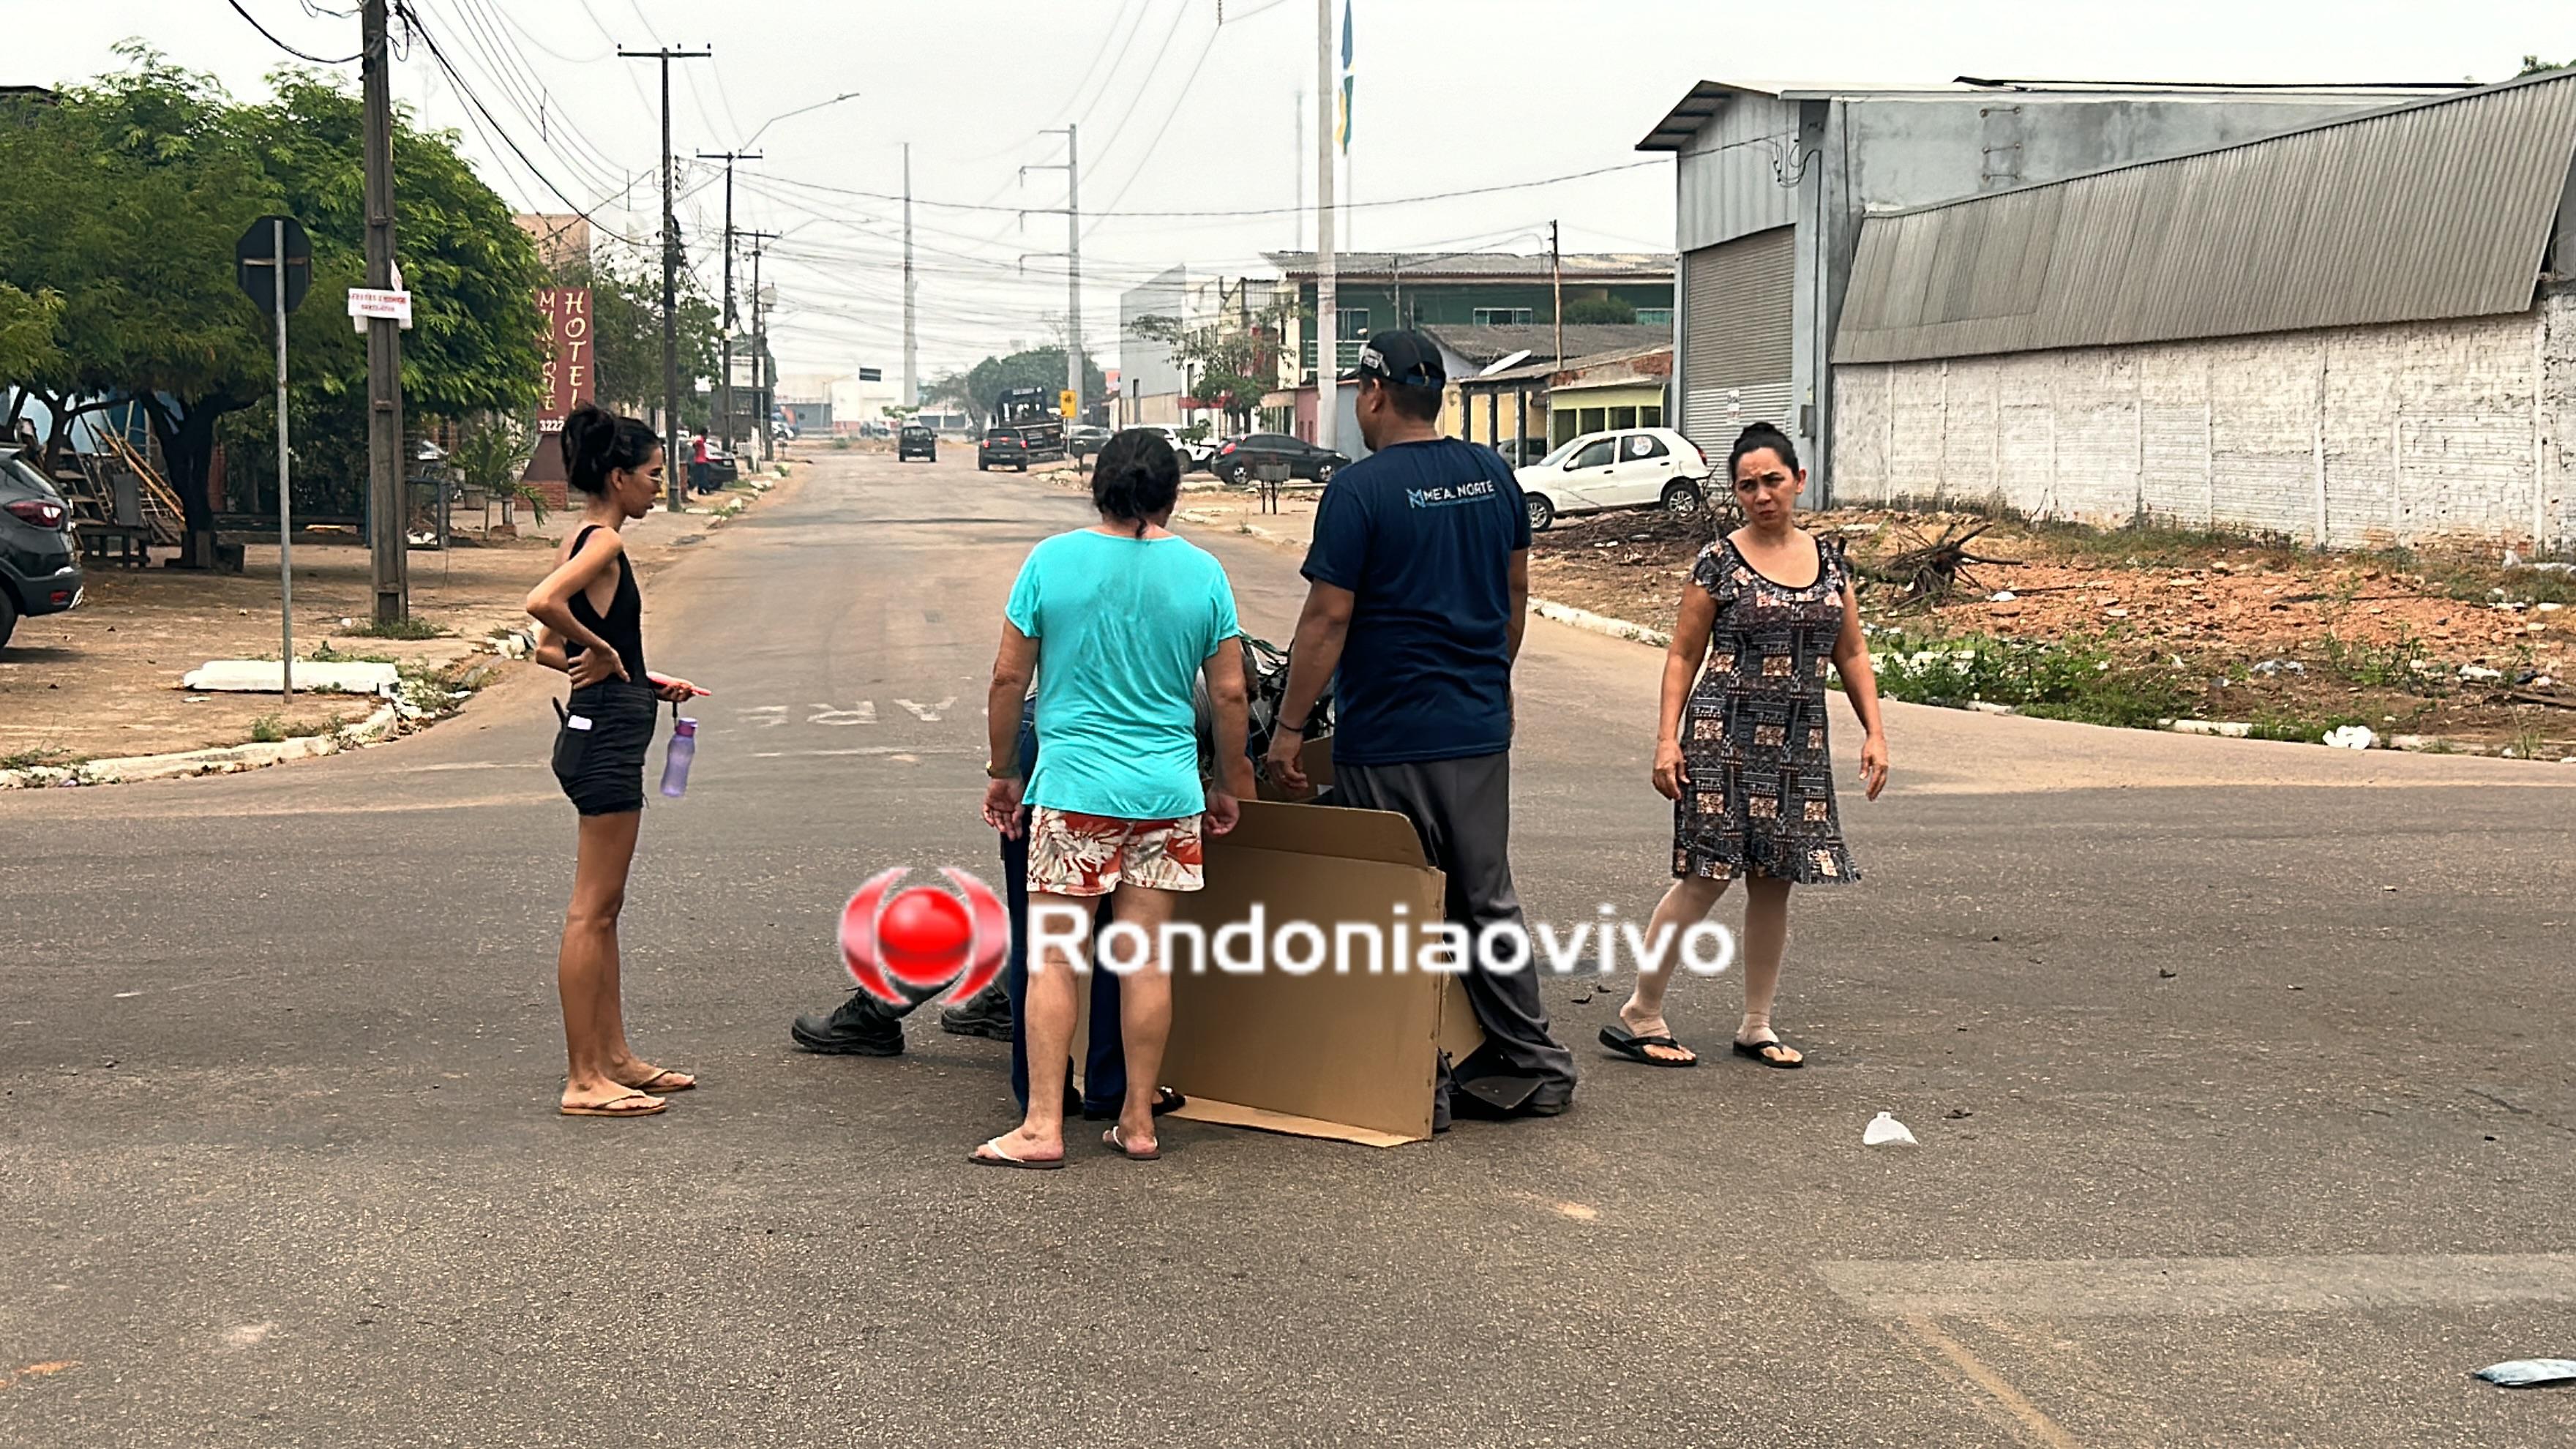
1073, 854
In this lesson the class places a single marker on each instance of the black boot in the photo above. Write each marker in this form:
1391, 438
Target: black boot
861, 1026
987, 1014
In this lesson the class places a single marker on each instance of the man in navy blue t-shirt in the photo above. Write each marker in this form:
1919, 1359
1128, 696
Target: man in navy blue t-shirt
1418, 588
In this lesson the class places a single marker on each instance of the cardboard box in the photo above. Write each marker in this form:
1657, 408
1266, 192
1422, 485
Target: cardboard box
1352, 1057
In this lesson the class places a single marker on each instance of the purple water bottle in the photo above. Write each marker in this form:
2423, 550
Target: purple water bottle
684, 748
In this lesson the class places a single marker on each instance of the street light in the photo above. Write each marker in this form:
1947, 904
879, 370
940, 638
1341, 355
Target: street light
800, 110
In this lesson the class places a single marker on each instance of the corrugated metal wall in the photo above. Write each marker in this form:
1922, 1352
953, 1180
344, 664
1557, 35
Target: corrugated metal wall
1728, 185
1738, 342
2437, 210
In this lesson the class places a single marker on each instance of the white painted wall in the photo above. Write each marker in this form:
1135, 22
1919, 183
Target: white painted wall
2353, 437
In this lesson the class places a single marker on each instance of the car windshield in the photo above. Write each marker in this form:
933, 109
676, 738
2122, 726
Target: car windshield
1562, 452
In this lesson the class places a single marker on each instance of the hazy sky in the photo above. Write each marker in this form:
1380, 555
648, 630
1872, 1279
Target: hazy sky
1178, 113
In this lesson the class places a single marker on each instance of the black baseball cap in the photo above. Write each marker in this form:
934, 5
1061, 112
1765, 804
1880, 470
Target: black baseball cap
1403, 359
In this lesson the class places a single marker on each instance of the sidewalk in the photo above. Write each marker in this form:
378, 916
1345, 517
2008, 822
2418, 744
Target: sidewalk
102, 680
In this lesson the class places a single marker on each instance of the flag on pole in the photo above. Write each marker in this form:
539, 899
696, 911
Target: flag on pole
1342, 134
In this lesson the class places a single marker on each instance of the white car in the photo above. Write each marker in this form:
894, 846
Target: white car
1630, 468
1194, 455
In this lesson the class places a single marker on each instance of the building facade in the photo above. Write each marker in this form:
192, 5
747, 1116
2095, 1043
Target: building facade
1772, 183
2357, 334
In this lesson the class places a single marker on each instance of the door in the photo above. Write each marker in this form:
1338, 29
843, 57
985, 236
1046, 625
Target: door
1738, 306
1584, 479
1639, 468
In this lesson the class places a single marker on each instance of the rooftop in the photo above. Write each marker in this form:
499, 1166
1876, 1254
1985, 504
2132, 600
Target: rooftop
1706, 99
1485, 346
1479, 266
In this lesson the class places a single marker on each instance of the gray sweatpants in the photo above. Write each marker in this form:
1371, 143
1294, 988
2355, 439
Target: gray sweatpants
1462, 809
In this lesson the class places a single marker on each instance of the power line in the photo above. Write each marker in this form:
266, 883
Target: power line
1251, 211
457, 80
1178, 102
282, 45
1160, 51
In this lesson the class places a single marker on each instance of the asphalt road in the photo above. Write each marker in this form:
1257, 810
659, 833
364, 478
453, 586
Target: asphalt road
278, 1053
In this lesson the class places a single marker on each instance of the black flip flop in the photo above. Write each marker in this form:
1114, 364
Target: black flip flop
1754, 1049
1618, 1038
1165, 1100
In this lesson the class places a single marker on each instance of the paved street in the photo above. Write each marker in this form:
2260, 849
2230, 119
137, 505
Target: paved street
278, 1054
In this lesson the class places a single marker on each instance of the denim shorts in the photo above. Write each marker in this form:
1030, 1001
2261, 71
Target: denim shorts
599, 747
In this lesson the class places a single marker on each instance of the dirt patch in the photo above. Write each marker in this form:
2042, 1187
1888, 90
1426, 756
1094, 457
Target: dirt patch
103, 680
2202, 625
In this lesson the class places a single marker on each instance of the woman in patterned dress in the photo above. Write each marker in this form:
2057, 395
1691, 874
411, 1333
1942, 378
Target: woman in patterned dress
1741, 753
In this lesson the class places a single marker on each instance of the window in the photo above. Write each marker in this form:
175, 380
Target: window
1639, 446
1654, 316
1507, 317
1650, 417
1591, 420
1354, 323
1623, 417
1599, 453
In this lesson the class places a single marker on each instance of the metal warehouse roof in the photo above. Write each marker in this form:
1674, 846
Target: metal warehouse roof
1681, 124
2437, 209
1455, 266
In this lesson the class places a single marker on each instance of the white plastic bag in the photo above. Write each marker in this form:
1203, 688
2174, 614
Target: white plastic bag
1885, 1131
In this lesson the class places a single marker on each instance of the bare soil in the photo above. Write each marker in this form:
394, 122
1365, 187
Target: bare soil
2376, 638
102, 681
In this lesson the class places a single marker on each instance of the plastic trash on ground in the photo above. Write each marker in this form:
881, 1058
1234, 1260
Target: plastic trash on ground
2529, 1373
2352, 737
1885, 1131
2002, 596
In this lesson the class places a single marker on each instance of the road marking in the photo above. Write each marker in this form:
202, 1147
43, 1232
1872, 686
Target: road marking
927, 714
2036, 1427
897, 752
2197, 1287
762, 716
864, 714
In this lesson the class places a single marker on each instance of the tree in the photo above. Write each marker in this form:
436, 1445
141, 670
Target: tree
477, 343
2534, 65
1592, 311
27, 340
1041, 367
1229, 357
124, 199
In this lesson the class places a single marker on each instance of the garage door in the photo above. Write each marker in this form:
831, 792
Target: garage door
1737, 298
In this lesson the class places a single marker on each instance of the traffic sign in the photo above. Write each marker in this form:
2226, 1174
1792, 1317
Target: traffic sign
255, 263
376, 302
1069, 401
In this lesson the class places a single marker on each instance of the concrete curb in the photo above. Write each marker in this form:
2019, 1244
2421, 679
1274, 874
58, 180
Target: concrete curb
1593, 623
225, 760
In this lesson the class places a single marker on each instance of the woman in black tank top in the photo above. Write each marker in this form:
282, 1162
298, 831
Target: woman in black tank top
592, 628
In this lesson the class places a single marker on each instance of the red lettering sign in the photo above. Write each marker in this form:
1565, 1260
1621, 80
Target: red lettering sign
566, 376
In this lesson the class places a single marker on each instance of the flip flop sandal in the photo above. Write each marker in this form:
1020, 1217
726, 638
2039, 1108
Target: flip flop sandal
1131, 1154
651, 1085
1760, 1051
994, 1154
1165, 1100
1626, 1043
614, 1107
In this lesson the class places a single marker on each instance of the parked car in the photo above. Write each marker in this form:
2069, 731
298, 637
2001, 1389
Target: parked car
39, 567
1196, 453
1629, 468
1522, 452
1305, 460
1004, 447
916, 441
1083, 442
723, 468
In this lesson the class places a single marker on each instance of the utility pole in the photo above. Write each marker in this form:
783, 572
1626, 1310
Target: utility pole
724, 383
760, 380
388, 517
911, 352
1297, 206
1556, 286
1328, 346
674, 473
1071, 166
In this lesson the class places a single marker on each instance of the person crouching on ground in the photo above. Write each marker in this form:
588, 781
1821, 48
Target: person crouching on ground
1418, 591
1115, 622
1742, 754
592, 619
